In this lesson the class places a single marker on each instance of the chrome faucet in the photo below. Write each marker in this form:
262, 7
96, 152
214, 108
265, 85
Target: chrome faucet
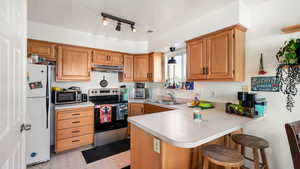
172, 95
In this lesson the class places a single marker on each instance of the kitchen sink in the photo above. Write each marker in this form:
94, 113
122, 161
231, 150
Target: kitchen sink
165, 102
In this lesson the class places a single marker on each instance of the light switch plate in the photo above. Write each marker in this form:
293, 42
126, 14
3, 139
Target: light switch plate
156, 145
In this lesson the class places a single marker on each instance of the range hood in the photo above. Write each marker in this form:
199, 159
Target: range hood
103, 68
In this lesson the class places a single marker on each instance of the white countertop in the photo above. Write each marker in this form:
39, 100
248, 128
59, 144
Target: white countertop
178, 127
75, 105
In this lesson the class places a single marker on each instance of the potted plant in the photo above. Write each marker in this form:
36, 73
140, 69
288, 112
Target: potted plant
289, 54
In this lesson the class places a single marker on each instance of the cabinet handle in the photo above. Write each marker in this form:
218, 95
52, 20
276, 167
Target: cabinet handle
76, 114
75, 122
76, 131
203, 70
75, 141
142, 110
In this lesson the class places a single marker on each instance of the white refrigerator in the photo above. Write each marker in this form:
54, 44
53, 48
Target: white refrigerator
38, 113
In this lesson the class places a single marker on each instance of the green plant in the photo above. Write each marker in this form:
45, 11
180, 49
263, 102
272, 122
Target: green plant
289, 53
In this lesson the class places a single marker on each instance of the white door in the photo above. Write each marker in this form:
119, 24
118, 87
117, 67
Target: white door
13, 34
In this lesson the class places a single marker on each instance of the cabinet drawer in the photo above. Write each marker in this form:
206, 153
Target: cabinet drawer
73, 132
64, 124
75, 113
74, 142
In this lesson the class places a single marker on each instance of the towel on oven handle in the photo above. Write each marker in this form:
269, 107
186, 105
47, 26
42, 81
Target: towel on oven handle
122, 110
105, 113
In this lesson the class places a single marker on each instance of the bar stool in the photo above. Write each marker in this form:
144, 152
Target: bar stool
222, 156
257, 144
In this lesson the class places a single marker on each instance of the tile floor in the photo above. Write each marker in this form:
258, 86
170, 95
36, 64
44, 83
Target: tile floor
75, 160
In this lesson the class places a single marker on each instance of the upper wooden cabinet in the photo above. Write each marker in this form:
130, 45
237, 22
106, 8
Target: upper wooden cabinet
149, 67
196, 52
127, 75
156, 67
218, 56
101, 57
73, 63
107, 58
141, 68
43, 49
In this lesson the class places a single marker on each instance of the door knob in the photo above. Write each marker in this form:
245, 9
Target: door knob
25, 127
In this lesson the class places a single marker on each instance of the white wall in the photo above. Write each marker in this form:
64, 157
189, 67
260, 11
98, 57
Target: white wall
57, 34
227, 16
263, 36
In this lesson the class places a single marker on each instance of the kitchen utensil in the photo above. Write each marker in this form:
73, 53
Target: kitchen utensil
103, 82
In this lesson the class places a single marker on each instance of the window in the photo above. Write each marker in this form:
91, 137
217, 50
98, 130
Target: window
176, 72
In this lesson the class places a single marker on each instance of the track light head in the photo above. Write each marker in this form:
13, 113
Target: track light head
118, 27
133, 28
104, 21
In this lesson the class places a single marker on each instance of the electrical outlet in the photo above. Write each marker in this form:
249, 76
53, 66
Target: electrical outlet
156, 145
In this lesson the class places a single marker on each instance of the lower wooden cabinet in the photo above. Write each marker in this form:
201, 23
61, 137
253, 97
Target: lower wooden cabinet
73, 128
143, 155
150, 108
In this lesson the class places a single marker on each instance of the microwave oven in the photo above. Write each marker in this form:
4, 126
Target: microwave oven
66, 97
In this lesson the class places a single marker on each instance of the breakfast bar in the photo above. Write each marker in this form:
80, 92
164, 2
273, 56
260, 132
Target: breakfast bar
173, 139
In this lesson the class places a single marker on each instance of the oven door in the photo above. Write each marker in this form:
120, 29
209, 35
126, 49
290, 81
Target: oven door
115, 118
65, 97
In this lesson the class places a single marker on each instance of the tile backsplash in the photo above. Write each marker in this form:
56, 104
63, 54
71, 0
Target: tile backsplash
96, 77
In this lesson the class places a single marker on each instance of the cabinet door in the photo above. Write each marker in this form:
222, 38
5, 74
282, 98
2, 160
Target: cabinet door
141, 68
73, 64
101, 57
128, 68
136, 109
156, 67
42, 49
196, 60
117, 59
220, 56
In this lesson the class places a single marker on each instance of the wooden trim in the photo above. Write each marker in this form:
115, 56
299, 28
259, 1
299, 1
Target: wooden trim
291, 29
239, 27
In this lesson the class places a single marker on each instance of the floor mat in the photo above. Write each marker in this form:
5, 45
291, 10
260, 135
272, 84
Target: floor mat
128, 167
107, 150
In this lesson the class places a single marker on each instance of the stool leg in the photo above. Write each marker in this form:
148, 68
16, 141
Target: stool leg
205, 163
264, 158
256, 158
243, 150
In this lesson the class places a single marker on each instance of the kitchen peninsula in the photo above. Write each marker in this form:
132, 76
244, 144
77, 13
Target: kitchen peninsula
173, 140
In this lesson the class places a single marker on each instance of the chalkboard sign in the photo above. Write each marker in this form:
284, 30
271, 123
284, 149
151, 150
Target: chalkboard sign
265, 84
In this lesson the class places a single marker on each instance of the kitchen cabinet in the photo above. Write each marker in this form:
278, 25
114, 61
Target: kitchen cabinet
107, 58
218, 56
156, 67
141, 68
149, 67
150, 108
145, 153
43, 49
73, 63
74, 128
136, 109
127, 75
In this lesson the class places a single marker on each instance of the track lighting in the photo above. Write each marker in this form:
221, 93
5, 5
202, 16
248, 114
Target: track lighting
133, 28
119, 20
104, 21
118, 27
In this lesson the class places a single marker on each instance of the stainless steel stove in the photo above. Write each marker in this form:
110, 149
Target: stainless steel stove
110, 115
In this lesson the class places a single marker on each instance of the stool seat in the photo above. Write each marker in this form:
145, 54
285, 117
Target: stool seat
223, 156
250, 141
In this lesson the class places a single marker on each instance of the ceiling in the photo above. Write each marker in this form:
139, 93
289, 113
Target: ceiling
157, 15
